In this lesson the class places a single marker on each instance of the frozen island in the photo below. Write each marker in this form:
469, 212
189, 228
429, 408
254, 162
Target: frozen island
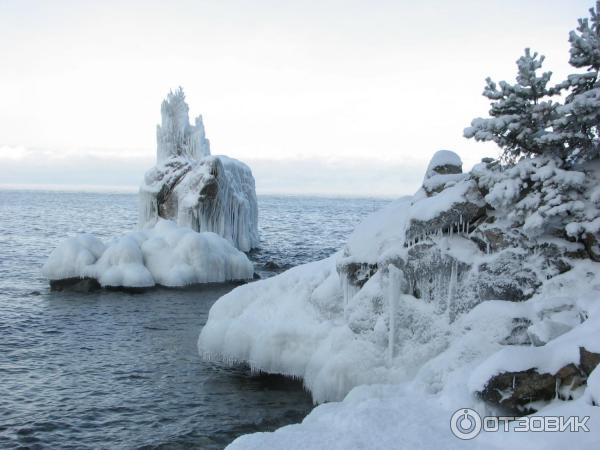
197, 215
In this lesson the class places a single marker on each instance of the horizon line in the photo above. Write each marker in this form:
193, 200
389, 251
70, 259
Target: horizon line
131, 190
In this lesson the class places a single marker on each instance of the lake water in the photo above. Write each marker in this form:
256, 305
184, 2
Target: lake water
115, 370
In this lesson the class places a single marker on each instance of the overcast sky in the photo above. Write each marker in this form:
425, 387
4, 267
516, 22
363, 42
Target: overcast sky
331, 97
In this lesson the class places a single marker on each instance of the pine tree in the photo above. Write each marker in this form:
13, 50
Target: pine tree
578, 126
520, 113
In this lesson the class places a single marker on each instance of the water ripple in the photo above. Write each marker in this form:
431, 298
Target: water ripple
113, 370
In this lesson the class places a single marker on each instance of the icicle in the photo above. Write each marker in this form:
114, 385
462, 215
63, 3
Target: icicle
452, 287
393, 294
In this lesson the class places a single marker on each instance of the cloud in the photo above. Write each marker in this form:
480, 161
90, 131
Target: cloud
81, 167
364, 177
95, 168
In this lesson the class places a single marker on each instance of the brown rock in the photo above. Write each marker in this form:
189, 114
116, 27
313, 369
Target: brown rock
570, 376
588, 361
515, 391
75, 284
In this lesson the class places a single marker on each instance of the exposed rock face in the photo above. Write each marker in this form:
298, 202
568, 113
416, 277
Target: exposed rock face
195, 189
515, 391
75, 284
588, 361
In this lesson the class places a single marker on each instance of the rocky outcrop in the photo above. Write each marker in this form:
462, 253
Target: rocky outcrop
522, 392
195, 189
470, 250
463, 252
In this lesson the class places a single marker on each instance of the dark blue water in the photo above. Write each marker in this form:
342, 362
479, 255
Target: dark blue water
117, 370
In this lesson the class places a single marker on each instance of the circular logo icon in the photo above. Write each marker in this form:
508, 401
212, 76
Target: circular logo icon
465, 424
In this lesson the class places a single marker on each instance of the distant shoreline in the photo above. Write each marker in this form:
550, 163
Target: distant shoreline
120, 189
72, 188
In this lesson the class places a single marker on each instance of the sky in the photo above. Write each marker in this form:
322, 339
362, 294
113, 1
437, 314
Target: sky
318, 97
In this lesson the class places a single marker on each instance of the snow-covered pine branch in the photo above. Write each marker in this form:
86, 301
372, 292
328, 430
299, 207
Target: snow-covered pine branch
519, 113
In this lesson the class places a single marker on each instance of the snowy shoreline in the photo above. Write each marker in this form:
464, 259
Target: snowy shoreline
433, 298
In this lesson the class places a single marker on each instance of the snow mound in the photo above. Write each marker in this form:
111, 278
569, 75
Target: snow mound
163, 254
193, 188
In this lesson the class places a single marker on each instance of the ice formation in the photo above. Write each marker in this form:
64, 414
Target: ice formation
176, 136
440, 293
164, 254
193, 188
197, 214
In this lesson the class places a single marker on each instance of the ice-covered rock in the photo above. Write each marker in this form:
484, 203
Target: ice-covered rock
193, 188
164, 254
197, 214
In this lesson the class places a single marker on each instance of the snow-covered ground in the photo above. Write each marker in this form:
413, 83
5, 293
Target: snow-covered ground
430, 299
400, 416
164, 254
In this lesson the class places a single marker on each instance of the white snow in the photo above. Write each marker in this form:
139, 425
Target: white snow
382, 231
163, 254
414, 411
400, 417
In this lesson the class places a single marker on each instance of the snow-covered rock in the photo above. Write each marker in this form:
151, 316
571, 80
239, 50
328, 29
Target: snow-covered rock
444, 162
428, 304
163, 254
197, 214
193, 188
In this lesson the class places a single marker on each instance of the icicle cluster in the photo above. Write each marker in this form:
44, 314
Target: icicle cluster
176, 136
459, 228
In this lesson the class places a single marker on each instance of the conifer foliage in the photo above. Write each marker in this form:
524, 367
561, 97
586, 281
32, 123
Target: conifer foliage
530, 118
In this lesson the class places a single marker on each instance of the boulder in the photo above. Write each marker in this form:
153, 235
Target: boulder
75, 284
516, 391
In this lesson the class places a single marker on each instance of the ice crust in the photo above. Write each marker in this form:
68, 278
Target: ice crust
164, 254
